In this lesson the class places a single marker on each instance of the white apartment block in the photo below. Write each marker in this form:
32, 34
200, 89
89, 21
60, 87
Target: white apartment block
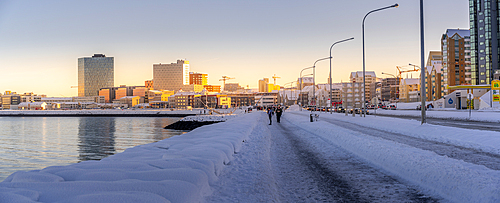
171, 76
356, 78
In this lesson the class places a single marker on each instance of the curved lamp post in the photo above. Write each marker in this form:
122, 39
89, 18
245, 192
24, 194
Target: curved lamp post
300, 84
363, 32
314, 77
330, 80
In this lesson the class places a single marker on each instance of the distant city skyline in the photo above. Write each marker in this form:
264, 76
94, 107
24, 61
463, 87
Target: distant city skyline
41, 41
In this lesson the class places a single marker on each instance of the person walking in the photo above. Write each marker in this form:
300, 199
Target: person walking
279, 111
270, 114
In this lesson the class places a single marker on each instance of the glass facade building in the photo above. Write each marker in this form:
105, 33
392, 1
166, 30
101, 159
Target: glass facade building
483, 16
94, 73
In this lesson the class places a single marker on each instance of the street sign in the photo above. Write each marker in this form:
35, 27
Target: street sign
495, 85
496, 98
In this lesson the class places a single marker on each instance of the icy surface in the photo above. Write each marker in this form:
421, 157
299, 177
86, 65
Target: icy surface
239, 161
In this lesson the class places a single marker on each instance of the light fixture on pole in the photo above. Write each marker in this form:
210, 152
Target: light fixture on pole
314, 78
422, 65
330, 78
363, 33
301, 79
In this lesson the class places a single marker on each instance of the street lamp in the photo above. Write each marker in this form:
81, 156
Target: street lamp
330, 80
363, 32
300, 84
301, 79
422, 58
314, 78
284, 88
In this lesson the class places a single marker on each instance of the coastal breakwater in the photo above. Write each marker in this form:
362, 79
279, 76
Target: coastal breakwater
178, 169
192, 122
98, 113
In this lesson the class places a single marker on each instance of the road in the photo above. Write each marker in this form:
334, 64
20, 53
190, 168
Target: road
476, 125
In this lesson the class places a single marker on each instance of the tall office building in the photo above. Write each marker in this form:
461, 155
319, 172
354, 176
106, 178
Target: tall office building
484, 23
455, 47
94, 73
171, 76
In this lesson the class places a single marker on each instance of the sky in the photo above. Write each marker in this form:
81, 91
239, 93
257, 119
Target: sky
40, 41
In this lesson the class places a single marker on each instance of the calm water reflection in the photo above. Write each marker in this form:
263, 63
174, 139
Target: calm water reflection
96, 138
32, 143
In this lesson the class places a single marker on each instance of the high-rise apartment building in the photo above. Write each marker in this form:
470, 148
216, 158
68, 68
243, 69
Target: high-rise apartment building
455, 47
94, 73
198, 78
484, 40
171, 76
263, 84
148, 84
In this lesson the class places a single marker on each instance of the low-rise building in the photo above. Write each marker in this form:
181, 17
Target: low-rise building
32, 106
212, 88
266, 99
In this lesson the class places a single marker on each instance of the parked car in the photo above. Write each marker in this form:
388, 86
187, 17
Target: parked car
362, 110
392, 107
340, 110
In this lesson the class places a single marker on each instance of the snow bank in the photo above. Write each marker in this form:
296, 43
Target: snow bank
452, 179
178, 169
487, 116
202, 118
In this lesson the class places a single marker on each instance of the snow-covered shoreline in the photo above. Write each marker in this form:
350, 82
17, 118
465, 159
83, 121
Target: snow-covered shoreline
178, 169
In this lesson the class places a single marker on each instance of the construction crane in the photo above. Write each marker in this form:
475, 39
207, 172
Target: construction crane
274, 77
415, 69
224, 78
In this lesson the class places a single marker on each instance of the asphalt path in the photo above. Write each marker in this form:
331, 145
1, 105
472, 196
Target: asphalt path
308, 168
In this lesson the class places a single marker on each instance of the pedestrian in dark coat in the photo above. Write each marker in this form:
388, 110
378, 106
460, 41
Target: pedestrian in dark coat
279, 111
270, 114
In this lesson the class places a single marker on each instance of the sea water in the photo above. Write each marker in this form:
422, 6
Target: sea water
32, 143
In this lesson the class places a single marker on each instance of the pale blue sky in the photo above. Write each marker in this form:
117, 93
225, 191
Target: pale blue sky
40, 41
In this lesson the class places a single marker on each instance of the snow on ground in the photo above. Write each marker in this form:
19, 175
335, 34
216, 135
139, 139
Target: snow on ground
488, 116
452, 179
178, 169
229, 162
